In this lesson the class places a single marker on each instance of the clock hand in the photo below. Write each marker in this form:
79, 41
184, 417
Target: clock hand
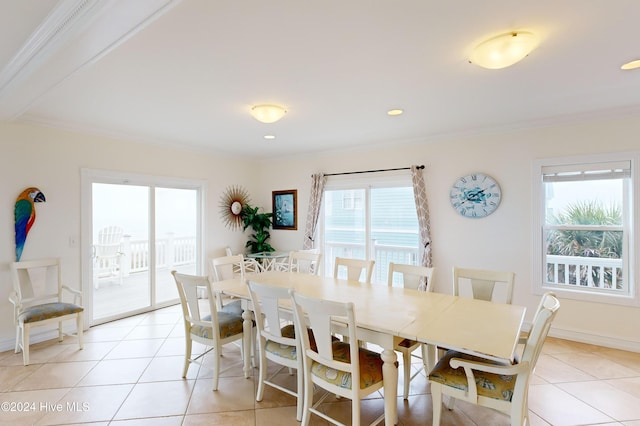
472, 196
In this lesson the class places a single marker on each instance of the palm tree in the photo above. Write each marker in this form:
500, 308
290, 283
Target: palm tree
588, 243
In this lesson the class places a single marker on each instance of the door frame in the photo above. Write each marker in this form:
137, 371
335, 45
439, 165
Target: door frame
91, 176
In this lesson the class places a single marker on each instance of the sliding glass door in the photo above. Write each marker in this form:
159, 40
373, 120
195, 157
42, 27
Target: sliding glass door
365, 221
140, 232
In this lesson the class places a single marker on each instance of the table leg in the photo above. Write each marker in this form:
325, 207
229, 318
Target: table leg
247, 337
390, 377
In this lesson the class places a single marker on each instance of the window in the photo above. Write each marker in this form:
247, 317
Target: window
584, 240
372, 219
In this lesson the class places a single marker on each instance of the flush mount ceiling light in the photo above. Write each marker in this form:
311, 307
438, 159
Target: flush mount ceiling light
395, 111
504, 50
267, 113
631, 65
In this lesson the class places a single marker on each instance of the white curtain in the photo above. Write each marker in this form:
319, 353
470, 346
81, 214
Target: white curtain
422, 208
315, 201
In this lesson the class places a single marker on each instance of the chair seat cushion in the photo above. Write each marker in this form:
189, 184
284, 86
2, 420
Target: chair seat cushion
281, 350
229, 325
370, 367
48, 311
490, 385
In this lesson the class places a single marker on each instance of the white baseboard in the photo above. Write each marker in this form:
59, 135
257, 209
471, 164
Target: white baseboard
595, 339
37, 336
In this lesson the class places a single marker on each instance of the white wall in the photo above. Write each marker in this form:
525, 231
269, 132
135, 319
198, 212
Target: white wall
51, 160
501, 241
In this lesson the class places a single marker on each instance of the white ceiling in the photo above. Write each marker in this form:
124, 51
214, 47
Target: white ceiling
186, 73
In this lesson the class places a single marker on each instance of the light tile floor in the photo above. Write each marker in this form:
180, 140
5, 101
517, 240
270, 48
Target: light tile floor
129, 374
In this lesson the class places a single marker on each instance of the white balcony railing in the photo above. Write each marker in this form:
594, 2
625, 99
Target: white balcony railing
171, 251
594, 272
382, 254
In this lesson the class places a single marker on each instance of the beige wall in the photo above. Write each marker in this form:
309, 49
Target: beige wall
52, 159
501, 241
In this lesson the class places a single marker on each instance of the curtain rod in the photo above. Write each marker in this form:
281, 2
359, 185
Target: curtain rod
372, 171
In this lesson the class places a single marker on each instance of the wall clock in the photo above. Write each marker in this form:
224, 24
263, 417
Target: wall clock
475, 195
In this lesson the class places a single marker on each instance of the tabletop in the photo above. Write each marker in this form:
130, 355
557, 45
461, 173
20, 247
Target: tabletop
468, 325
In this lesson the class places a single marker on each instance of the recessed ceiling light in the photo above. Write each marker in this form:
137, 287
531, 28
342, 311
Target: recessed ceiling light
396, 111
631, 65
269, 137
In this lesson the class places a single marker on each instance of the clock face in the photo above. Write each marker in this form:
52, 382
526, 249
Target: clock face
475, 195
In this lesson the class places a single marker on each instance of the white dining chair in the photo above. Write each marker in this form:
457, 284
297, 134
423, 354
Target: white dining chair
277, 340
304, 262
341, 368
354, 268
494, 286
502, 387
212, 327
411, 276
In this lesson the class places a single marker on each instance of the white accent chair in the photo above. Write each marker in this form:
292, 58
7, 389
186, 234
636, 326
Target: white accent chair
37, 299
411, 278
107, 255
277, 340
354, 269
500, 387
211, 327
340, 368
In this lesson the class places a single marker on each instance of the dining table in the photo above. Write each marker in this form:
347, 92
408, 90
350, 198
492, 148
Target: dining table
486, 329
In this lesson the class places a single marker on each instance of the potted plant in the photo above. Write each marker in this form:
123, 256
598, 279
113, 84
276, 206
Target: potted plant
260, 224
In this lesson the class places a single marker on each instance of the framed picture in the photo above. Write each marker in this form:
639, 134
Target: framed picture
285, 214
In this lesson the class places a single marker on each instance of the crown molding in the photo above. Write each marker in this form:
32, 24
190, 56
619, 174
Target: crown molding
76, 33
50, 35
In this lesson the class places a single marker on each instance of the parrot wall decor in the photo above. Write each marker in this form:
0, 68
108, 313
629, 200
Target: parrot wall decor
25, 215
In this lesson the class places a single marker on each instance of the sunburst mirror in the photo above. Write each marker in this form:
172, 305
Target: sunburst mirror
232, 201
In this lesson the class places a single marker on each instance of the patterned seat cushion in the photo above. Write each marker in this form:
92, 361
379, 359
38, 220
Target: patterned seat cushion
370, 367
491, 385
229, 325
47, 311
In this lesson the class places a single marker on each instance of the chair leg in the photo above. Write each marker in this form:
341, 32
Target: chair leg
429, 357
262, 375
187, 355
18, 338
307, 397
355, 411
300, 392
406, 359
60, 335
216, 365
79, 330
25, 344
436, 398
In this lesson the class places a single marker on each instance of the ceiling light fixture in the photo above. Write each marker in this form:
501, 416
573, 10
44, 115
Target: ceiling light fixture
504, 50
395, 111
631, 65
269, 137
267, 113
